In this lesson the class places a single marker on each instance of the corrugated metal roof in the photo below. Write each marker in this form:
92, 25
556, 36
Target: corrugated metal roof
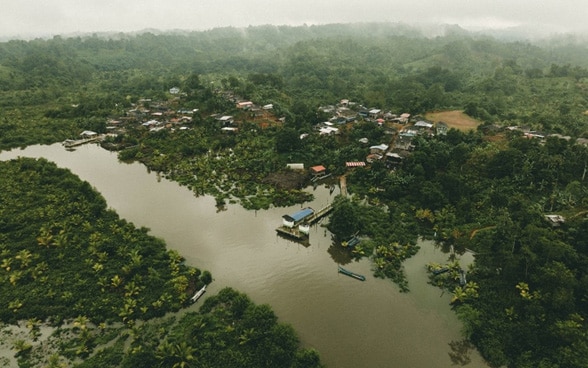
303, 213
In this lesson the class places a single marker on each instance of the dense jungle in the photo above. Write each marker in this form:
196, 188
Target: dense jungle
511, 188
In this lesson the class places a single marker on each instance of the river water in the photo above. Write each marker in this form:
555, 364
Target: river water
351, 323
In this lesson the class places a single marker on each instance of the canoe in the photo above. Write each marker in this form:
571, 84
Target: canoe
351, 274
198, 294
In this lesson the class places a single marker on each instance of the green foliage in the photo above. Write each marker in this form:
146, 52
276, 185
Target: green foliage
526, 305
64, 254
229, 331
525, 284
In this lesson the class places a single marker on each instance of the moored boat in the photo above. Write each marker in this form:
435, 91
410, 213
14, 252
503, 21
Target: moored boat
351, 274
198, 294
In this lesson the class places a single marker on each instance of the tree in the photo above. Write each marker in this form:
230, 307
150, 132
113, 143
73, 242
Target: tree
343, 221
287, 140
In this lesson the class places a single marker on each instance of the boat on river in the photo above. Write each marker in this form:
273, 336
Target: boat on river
351, 274
198, 294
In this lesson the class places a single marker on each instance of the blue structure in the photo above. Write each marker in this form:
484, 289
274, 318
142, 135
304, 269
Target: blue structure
296, 218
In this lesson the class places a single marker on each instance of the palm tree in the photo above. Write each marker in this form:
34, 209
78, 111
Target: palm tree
179, 355
81, 322
45, 239
22, 347
6, 264
24, 256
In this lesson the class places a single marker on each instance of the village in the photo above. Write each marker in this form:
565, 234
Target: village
157, 116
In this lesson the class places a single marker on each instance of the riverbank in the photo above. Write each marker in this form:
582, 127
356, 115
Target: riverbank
242, 250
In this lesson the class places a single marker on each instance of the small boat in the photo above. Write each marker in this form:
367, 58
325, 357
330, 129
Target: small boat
198, 294
351, 274
462, 277
351, 243
440, 271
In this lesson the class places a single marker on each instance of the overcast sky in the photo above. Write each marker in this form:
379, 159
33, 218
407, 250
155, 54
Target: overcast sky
40, 18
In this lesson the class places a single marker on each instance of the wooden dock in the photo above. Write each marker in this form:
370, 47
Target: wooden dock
295, 233
69, 143
291, 233
343, 185
320, 214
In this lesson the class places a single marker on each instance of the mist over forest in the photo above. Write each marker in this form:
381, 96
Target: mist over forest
492, 188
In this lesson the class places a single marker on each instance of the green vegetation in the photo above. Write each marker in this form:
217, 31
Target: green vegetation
64, 254
524, 303
229, 331
68, 261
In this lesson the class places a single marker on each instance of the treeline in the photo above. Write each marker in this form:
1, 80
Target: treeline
47, 83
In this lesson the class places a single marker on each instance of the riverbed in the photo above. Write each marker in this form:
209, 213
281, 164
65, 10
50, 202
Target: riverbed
351, 323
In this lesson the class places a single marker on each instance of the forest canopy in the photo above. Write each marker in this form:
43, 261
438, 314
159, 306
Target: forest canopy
512, 191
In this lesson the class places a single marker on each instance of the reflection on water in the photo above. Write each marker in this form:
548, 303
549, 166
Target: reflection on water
460, 352
351, 323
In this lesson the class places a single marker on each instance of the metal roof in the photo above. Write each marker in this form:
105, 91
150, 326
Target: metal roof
300, 215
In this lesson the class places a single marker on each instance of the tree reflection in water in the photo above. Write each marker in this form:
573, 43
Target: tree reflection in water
460, 352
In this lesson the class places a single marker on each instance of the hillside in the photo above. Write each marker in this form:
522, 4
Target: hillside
223, 112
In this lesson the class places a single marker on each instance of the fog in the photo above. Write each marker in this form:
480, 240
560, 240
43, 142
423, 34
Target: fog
45, 18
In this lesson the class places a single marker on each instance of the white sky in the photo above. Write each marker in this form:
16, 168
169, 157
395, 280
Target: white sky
26, 18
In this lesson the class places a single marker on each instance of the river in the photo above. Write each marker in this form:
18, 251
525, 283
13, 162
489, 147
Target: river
351, 323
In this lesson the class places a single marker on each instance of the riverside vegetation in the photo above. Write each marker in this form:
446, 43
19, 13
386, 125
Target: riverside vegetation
486, 190
69, 262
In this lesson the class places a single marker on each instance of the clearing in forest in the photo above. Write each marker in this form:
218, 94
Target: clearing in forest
454, 119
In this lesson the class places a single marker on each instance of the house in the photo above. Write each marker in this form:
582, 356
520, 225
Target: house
318, 170
328, 131
244, 105
351, 164
555, 220
226, 120
295, 166
441, 128
404, 141
88, 134
297, 218
423, 125
379, 149
229, 130
404, 118
393, 158
534, 134
373, 157
374, 113
174, 90
150, 123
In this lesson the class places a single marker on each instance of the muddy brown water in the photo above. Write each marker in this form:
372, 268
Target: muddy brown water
351, 323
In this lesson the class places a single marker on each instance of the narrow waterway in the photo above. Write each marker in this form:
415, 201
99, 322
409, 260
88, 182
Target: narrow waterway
351, 323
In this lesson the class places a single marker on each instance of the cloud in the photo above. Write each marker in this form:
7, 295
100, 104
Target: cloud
45, 17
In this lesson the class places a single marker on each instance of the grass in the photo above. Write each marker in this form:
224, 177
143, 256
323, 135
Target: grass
454, 119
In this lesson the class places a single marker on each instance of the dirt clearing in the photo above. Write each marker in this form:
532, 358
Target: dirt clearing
454, 119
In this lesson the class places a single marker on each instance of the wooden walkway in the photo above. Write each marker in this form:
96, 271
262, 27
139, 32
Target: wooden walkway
320, 214
343, 185
69, 143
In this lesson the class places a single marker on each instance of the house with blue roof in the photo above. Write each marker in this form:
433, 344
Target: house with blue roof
298, 217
